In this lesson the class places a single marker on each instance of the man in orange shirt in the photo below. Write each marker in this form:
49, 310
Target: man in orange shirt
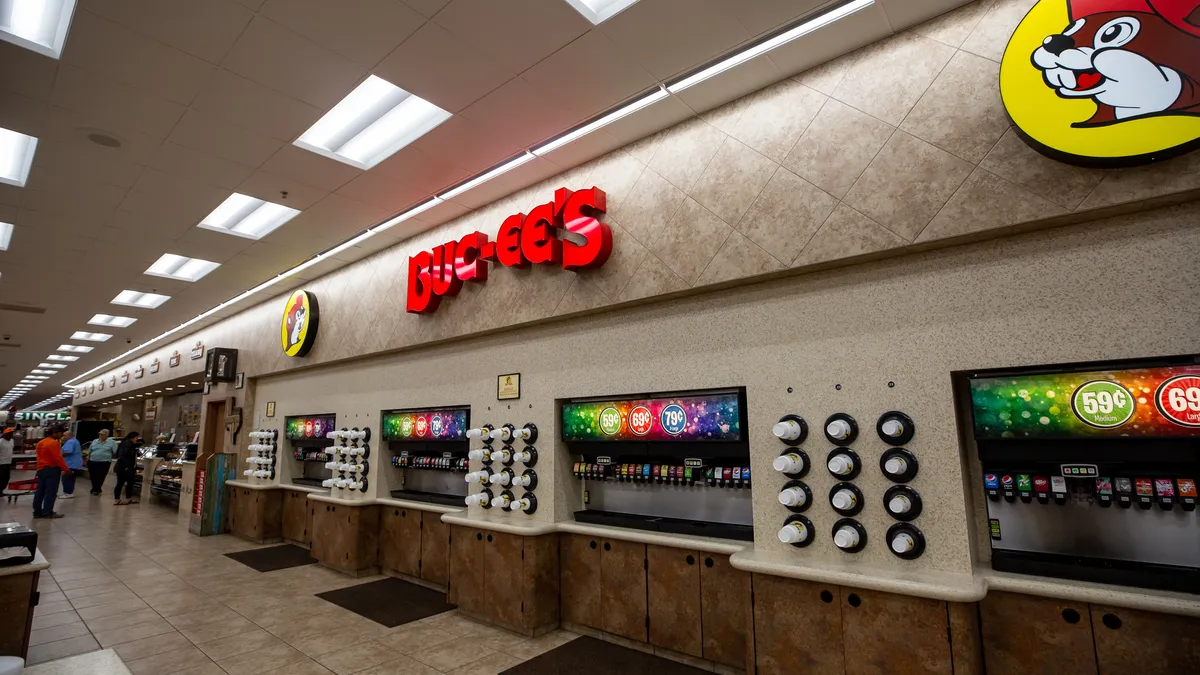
50, 468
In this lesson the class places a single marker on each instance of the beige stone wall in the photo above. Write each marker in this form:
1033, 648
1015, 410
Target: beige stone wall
912, 320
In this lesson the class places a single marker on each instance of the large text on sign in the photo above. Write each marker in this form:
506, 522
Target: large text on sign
522, 239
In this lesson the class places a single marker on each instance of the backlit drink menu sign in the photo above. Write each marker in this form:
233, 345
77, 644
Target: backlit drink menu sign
445, 424
1139, 402
308, 427
704, 417
522, 240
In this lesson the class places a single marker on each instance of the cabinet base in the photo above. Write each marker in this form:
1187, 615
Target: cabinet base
703, 664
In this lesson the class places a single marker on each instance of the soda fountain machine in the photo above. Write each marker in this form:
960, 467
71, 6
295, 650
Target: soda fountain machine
430, 446
674, 462
1090, 470
308, 436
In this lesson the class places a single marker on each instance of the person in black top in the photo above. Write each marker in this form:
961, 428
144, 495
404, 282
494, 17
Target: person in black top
126, 468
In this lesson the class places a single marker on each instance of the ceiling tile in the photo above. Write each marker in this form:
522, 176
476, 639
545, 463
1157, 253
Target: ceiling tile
589, 147
467, 144
422, 171
861, 28
56, 227
668, 37
527, 174
25, 72
181, 200
71, 128
200, 166
310, 168
382, 191
208, 245
443, 213
23, 114
514, 33
122, 108
363, 31
211, 134
254, 106
270, 187
155, 224
427, 7
204, 29
521, 113
76, 156
60, 193
441, 68
761, 16
276, 57
334, 219
104, 47
589, 75
635, 127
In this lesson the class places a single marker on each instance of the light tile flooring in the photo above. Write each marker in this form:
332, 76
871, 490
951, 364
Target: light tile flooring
132, 578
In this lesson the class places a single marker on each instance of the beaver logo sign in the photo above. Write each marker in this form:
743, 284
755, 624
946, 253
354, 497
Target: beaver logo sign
298, 330
1106, 82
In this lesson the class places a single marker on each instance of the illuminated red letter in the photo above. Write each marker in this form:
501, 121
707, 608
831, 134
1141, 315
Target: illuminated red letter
508, 242
468, 261
538, 242
421, 299
576, 210
444, 280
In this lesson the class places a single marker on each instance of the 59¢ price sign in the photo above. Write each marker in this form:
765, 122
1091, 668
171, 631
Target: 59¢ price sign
1103, 404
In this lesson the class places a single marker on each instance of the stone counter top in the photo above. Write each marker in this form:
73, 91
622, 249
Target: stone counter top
528, 528
418, 506
252, 486
39, 563
703, 544
304, 488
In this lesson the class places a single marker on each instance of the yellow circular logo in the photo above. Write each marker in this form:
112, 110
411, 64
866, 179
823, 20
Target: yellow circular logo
1106, 82
298, 330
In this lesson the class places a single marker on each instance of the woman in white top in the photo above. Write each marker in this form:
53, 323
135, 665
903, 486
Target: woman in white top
6, 453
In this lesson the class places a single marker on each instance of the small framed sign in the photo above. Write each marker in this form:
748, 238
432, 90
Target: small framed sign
239, 381
174, 361
154, 366
270, 408
508, 387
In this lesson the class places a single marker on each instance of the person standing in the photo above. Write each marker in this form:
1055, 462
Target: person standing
6, 453
73, 454
126, 469
50, 468
100, 455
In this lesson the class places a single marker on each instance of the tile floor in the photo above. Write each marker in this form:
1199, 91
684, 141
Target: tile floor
132, 579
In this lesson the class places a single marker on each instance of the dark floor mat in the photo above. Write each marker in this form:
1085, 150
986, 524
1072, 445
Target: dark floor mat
273, 557
390, 602
596, 657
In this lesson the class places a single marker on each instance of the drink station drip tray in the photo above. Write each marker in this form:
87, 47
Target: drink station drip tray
307, 482
697, 528
428, 497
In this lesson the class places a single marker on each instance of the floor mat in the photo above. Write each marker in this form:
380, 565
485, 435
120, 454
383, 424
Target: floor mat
390, 602
273, 557
596, 657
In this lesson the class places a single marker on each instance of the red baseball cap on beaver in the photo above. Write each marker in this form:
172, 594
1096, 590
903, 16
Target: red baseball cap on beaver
1183, 14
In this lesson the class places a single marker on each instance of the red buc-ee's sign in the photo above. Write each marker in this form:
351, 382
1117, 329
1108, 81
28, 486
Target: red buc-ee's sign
522, 239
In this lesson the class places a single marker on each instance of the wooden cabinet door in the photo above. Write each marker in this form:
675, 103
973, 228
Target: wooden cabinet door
797, 627
540, 586
1031, 635
623, 589
400, 540
308, 522
466, 588
435, 548
890, 634
1133, 641
673, 599
579, 579
504, 578
295, 515
726, 611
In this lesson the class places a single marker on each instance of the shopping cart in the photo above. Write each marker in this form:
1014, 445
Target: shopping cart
19, 488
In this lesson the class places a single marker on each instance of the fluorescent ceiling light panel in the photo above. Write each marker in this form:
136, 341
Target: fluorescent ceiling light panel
16, 152
60, 357
649, 99
247, 216
6, 230
485, 177
55, 366
371, 124
181, 268
37, 25
804, 28
143, 300
79, 349
90, 337
110, 320
599, 11
43, 372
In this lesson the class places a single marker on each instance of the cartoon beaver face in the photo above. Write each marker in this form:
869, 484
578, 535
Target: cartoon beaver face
1127, 62
296, 324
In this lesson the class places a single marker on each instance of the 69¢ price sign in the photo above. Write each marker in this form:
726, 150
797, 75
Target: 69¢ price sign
1178, 399
1103, 404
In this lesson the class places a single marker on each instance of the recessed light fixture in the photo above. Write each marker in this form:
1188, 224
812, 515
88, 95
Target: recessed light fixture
170, 388
60, 357
43, 372
6, 230
143, 300
90, 337
55, 366
16, 152
803, 28
599, 11
247, 216
371, 124
37, 25
158, 391
35, 378
113, 321
195, 383
181, 268
80, 349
